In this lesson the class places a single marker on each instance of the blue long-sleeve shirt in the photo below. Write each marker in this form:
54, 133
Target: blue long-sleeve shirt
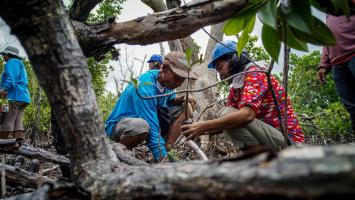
130, 105
14, 81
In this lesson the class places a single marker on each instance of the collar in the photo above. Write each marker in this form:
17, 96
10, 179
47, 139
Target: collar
160, 87
238, 81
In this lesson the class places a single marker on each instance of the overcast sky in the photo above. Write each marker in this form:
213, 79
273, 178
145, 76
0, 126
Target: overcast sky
131, 10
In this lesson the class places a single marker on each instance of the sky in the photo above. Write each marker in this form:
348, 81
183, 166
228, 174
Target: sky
131, 10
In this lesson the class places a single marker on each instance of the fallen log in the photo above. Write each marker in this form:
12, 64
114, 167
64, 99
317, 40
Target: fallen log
316, 172
20, 177
7, 142
38, 153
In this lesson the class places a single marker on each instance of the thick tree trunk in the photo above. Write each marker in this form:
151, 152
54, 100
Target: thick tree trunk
45, 32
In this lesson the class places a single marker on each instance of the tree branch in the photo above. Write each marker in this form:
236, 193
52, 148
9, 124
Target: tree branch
157, 27
23, 178
81, 9
33, 152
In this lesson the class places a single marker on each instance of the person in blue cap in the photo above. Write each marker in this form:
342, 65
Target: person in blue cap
250, 117
134, 120
14, 86
155, 61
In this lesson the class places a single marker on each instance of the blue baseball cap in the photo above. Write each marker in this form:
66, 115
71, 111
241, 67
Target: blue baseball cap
155, 58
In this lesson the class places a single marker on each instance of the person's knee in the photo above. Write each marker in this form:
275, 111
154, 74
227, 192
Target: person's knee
132, 141
132, 132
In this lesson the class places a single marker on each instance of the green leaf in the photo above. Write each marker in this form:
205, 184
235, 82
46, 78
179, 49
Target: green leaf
134, 81
271, 42
293, 42
236, 24
341, 5
242, 41
321, 32
188, 55
297, 14
267, 14
253, 6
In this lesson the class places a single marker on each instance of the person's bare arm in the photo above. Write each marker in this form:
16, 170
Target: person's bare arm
236, 119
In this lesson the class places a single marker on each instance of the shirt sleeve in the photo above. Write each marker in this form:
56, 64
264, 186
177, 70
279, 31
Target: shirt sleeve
325, 61
147, 110
12, 71
255, 87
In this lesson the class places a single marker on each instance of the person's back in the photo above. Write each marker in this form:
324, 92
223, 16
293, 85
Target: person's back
15, 80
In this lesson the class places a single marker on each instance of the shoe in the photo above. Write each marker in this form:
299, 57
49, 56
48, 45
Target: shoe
5, 134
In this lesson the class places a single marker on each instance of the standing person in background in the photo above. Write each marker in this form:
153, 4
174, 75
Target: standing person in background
341, 59
155, 61
14, 86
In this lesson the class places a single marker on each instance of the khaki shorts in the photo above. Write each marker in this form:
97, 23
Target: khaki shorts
256, 132
13, 119
129, 127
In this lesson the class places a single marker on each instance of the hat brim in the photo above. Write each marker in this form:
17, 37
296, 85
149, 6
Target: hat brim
10, 53
184, 74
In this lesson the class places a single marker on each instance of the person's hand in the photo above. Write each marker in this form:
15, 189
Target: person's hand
3, 93
192, 101
191, 131
322, 74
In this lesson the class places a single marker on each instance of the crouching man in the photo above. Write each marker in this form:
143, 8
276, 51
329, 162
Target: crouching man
156, 120
250, 118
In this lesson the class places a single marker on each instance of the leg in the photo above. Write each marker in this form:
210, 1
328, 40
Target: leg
130, 131
18, 126
254, 134
7, 125
344, 78
177, 115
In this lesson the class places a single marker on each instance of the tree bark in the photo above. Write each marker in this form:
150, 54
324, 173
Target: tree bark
38, 153
81, 9
20, 177
159, 6
163, 26
317, 172
45, 32
44, 29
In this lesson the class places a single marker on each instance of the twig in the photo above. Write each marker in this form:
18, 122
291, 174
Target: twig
3, 177
208, 107
285, 82
198, 90
271, 88
46, 171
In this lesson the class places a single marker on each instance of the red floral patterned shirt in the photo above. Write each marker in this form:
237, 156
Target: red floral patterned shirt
255, 93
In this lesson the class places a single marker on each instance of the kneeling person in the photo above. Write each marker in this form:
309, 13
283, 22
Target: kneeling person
134, 119
250, 118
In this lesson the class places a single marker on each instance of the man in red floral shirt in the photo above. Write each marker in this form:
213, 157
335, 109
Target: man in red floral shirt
250, 118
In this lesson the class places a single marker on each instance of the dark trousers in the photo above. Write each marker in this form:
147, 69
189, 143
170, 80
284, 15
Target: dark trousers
344, 78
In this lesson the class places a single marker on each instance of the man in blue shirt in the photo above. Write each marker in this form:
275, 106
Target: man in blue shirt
134, 119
